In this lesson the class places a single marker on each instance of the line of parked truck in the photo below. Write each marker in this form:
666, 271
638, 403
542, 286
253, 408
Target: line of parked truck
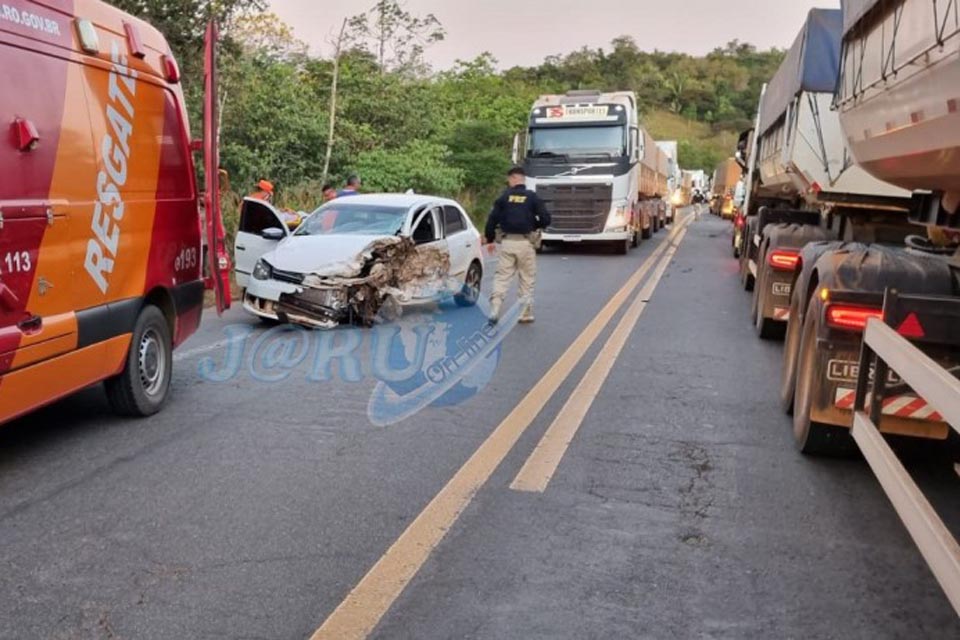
847, 218
603, 177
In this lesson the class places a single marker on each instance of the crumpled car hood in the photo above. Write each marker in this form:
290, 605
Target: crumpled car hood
351, 277
329, 255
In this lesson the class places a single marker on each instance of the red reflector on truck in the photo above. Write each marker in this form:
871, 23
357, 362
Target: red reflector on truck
851, 318
911, 328
783, 260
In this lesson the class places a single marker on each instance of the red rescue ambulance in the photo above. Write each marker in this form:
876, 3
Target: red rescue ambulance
100, 223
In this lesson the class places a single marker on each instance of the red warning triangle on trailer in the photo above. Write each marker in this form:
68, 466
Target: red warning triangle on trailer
911, 328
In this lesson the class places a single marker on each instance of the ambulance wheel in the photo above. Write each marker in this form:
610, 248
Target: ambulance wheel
142, 387
814, 438
470, 293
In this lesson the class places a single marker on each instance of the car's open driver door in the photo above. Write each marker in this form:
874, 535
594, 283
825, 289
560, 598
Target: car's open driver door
218, 268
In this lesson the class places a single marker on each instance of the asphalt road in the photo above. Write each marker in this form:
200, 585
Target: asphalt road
280, 473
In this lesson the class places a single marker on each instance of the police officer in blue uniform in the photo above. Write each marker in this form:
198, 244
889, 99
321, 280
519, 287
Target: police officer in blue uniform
518, 213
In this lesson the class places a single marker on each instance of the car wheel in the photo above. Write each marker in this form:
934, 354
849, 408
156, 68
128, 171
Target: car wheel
142, 387
470, 293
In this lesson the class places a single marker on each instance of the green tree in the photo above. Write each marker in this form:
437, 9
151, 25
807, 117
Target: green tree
395, 36
481, 150
418, 165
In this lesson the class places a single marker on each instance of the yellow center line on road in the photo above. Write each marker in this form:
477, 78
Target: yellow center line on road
540, 467
369, 601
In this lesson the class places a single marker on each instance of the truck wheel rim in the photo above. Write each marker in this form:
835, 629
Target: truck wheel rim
151, 362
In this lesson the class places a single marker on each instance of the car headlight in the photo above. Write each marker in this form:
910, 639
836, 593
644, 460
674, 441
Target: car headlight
262, 271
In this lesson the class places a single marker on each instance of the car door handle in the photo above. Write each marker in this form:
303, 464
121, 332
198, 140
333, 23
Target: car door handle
31, 324
240, 247
469, 245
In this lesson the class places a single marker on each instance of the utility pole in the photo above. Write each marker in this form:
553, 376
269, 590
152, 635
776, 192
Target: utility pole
333, 101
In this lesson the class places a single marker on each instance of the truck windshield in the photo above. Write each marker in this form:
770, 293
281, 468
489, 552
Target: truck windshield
578, 141
340, 217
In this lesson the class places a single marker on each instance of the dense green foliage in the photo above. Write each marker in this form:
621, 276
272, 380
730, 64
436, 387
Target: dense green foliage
401, 125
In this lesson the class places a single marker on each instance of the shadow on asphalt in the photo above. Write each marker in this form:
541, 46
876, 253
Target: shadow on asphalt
86, 410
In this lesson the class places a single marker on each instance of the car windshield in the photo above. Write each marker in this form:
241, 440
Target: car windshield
571, 141
344, 218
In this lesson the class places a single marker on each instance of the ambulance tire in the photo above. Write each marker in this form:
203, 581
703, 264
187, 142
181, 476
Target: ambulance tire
142, 387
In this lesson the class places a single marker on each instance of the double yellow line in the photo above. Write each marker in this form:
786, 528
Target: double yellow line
543, 462
373, 596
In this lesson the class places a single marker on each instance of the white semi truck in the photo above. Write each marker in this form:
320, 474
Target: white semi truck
673, 197
827, 237
855, 213
805, 188
583, 152
898, 104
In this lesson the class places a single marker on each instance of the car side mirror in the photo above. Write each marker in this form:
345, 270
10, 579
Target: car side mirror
273, 233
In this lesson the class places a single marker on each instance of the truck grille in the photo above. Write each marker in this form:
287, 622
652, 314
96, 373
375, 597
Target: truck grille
577, 208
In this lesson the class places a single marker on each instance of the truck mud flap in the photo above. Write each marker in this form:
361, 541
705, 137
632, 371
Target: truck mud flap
778, 285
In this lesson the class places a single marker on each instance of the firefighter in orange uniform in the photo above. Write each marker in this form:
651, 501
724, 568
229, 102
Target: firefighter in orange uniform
264, 191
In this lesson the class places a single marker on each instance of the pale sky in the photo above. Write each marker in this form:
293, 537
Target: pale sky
520, 32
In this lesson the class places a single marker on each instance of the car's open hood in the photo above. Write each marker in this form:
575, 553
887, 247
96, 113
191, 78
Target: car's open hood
324, 255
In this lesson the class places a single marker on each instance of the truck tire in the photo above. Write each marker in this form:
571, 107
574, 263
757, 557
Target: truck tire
813, 438
746, 278
791, 349
142, 387
647, 233
635, 239
766, 328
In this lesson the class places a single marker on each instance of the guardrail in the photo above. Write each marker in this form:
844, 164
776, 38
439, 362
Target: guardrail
930, 320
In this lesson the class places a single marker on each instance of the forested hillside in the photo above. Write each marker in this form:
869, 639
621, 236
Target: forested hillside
403, 125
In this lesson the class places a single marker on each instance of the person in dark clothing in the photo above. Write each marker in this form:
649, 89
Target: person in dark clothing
352, 188
518, 213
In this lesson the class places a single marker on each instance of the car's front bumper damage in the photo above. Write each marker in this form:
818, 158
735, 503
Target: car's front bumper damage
353, 292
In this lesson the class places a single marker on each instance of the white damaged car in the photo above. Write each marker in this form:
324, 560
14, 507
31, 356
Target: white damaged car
353, 256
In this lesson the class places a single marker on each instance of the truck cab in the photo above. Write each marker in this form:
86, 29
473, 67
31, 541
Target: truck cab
581, 155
